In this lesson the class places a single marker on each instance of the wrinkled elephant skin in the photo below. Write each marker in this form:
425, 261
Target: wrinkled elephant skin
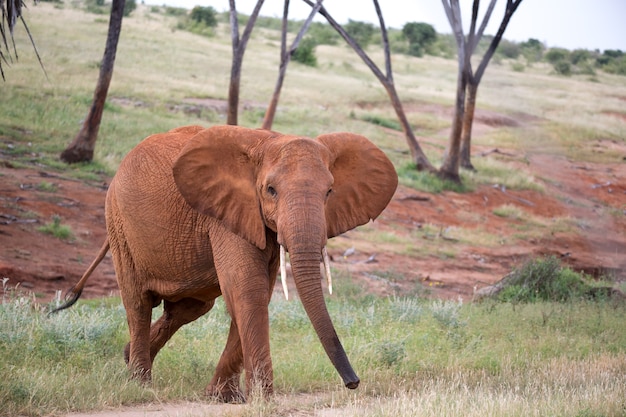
196, 213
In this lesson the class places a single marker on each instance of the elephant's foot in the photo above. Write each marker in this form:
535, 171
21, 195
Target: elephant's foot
227, 392
139, 373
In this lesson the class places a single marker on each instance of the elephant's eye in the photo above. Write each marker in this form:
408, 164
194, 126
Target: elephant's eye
271, 191
329, 192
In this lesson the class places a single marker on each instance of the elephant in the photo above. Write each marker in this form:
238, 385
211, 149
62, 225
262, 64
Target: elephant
195, 213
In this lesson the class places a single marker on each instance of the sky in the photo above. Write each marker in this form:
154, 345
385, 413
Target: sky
571, 24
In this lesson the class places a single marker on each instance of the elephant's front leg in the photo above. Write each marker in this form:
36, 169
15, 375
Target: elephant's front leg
243, 272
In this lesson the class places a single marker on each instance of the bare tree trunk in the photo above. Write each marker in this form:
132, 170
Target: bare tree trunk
285, 58
239, 48
82, 147
468, 120
474, 79
419, 157
450, 166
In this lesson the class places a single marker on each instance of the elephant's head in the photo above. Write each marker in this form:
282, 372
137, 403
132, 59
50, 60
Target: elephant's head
305, 190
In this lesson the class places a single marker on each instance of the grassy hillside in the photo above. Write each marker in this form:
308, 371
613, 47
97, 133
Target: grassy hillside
159, 68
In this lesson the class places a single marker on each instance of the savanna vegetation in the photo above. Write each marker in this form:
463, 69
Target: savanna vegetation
531, 350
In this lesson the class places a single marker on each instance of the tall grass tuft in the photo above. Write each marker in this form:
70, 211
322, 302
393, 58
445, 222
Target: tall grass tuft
545, 279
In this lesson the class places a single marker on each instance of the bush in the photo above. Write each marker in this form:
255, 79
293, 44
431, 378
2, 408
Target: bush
555, 55
421, 37
544, 279
361, 32
200, 21
205, 15
532, 50
563, 67
175, 11
129, 7
305, 53
323, 34
612, 61
508, 49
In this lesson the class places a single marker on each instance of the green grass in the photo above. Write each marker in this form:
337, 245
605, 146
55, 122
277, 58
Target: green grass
415, 356
424, 181
56, 229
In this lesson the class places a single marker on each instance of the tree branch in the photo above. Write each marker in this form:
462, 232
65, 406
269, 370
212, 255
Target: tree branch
357, 48
511, 7
383, 31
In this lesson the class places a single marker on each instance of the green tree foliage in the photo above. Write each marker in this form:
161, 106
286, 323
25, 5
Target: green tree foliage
532, 50
555, 55
129, 7
323, 34
206, 15
421, 37
201, 20
361, 32
305, 53
508, 49
579, 56
612, 61
560, 60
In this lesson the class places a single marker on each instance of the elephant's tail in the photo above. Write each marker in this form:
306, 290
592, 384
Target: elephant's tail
73, 294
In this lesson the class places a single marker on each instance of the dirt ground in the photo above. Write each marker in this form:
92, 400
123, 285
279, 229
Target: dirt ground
590, 196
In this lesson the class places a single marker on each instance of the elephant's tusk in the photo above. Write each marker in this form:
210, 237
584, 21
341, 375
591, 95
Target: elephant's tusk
283, 272
327, 269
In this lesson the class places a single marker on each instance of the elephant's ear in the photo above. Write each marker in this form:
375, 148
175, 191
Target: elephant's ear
216, 176
365, 181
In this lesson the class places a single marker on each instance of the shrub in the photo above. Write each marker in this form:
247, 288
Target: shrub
544, 279
508, 49
555, 55
323, 34
129, 7
206, 15
175, 11
532, 50
305, 53
563, 67
361, 32
421, 37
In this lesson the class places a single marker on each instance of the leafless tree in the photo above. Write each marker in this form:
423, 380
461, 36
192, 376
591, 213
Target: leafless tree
458, 152
239, 44
82, 147
10, 12
386, 79
285, 57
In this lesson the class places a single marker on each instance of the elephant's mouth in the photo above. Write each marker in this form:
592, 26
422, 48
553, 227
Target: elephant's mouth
283, 270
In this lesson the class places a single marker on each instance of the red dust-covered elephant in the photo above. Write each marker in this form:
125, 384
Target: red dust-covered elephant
196, 213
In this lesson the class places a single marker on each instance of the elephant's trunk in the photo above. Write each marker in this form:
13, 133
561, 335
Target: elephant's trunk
306, 272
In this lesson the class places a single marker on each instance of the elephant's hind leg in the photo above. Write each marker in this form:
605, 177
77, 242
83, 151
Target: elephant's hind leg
138, 315
175, 315
225, 383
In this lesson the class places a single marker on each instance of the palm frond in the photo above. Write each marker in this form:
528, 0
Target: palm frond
11, 12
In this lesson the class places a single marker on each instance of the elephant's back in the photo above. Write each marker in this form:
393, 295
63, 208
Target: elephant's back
146, 171
146, 211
